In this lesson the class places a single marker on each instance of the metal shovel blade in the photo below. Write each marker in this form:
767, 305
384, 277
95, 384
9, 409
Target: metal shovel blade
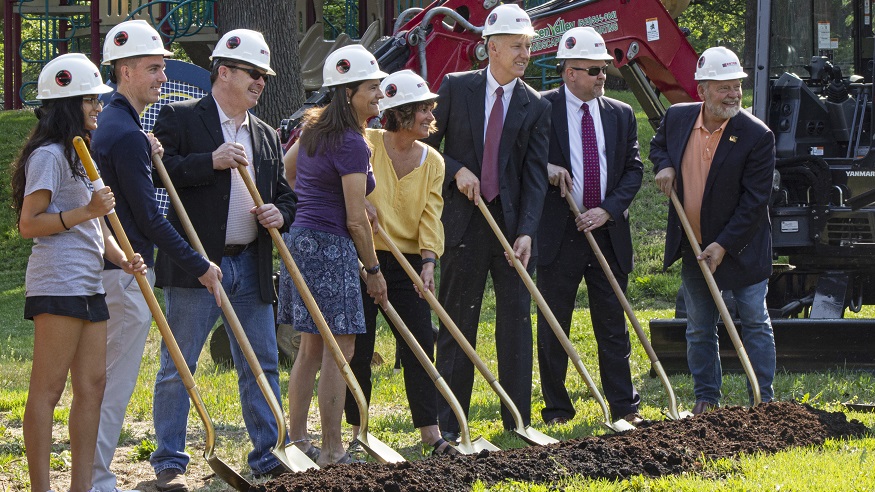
477, 445
378, 449
534, 436
293, 458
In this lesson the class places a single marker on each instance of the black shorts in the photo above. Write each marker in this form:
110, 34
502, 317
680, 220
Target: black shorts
90, 308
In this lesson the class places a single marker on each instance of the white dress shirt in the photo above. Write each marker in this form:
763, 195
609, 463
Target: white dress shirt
241, 226
574, 112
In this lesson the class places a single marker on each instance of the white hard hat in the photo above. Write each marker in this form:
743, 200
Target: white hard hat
132, 38
719, 64
70, 75
404, 87
351, 63
508, 19
245, 45
583, 43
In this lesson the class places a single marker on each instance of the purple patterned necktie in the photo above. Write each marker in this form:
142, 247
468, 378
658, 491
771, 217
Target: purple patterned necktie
489, 168
592, 191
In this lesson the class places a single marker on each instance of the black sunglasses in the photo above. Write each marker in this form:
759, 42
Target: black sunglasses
253, 72
592, 71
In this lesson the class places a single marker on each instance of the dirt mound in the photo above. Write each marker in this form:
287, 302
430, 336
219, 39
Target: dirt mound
659, 449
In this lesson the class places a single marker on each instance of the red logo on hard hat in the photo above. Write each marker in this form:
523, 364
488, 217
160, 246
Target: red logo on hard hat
342, 66
391, 90
233, 42
701, 61
570, 42
63, 78
120, 38
492, 18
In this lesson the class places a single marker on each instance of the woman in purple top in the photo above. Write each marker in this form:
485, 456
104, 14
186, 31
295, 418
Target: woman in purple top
331, 175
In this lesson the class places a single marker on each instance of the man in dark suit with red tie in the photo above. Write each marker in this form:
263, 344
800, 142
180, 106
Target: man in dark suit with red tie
594, 157
494, 129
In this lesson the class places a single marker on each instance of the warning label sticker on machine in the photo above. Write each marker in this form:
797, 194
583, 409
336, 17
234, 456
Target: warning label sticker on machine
789, 226
652, 29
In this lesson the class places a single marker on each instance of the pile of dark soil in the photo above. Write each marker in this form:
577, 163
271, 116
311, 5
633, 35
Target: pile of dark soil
659, 449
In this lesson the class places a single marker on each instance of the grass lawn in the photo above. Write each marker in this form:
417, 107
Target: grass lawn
845, 465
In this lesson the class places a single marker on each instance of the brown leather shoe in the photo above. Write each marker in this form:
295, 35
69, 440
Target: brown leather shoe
171, 480
703, 406
635, 419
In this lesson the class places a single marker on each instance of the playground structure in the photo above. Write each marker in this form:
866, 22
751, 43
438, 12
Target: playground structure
35, 31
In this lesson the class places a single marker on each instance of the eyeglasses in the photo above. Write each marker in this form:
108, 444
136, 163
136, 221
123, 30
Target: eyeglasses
592, 71
94, 101
254, 73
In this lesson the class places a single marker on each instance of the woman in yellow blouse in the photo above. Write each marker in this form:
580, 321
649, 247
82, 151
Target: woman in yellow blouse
409, 176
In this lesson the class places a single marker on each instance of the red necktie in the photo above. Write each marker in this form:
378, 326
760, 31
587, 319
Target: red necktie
592, 190
489, 168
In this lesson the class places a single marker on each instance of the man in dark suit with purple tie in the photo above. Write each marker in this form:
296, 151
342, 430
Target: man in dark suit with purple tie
594, 157
494, 129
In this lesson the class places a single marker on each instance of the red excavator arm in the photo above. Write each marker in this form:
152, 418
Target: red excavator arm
648, 47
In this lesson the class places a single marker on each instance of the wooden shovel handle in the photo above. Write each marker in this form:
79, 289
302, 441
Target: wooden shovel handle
718, 299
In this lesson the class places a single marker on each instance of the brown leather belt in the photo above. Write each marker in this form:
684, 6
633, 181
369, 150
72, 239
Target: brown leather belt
236, 249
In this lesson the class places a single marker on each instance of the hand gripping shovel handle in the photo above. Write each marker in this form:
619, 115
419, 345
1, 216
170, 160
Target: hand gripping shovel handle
222, 470
464, 432
620, 425
377, 449
718, 299
298, 461
651, 354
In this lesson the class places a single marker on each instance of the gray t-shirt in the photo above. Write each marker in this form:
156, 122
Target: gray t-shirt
68, 263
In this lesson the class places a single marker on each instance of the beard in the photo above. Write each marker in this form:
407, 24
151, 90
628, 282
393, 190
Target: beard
721, 111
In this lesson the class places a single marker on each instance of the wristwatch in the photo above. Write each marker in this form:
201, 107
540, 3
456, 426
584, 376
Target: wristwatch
373, 270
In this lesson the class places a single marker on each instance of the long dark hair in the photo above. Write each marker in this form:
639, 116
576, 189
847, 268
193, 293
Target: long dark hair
59, 120
324, 127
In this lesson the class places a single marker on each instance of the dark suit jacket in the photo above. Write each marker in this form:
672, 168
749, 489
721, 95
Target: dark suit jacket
735, 203
190, 131
625, 171
522, 156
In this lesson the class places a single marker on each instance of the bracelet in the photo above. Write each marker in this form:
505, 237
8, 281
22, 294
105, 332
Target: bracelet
61, 216
373, 270
433, 261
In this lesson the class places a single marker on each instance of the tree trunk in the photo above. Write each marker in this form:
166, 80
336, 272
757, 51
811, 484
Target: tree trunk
283, 94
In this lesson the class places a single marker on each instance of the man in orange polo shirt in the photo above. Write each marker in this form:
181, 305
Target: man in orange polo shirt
722, 172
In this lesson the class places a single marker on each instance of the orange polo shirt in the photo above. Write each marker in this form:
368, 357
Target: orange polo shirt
695, 166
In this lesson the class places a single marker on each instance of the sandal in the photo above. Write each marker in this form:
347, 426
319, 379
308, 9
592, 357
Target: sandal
442, 447
312, 452
347, 459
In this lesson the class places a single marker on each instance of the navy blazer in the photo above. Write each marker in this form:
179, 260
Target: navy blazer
735, 211
190, 131
625, 172
522, 155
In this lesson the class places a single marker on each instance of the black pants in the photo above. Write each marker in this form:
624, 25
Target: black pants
464, 268
415, 313
558, 283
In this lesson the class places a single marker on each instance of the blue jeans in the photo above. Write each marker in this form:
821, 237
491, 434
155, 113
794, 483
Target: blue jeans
703, 353
191, 314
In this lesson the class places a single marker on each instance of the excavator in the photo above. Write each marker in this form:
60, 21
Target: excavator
812, 85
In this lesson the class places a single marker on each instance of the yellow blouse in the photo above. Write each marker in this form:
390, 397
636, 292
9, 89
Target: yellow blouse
410, 208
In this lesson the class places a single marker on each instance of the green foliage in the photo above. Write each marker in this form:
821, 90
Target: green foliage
143, 450
715, 24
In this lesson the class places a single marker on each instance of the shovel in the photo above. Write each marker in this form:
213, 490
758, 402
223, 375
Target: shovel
528, 433
376, 448
289, 455
222, 470
618, 426
673, 413
718, 299
466, 445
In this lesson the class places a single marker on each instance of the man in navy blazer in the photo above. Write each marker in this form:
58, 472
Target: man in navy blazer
720, 160
565, 256
207, 142
472, 250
